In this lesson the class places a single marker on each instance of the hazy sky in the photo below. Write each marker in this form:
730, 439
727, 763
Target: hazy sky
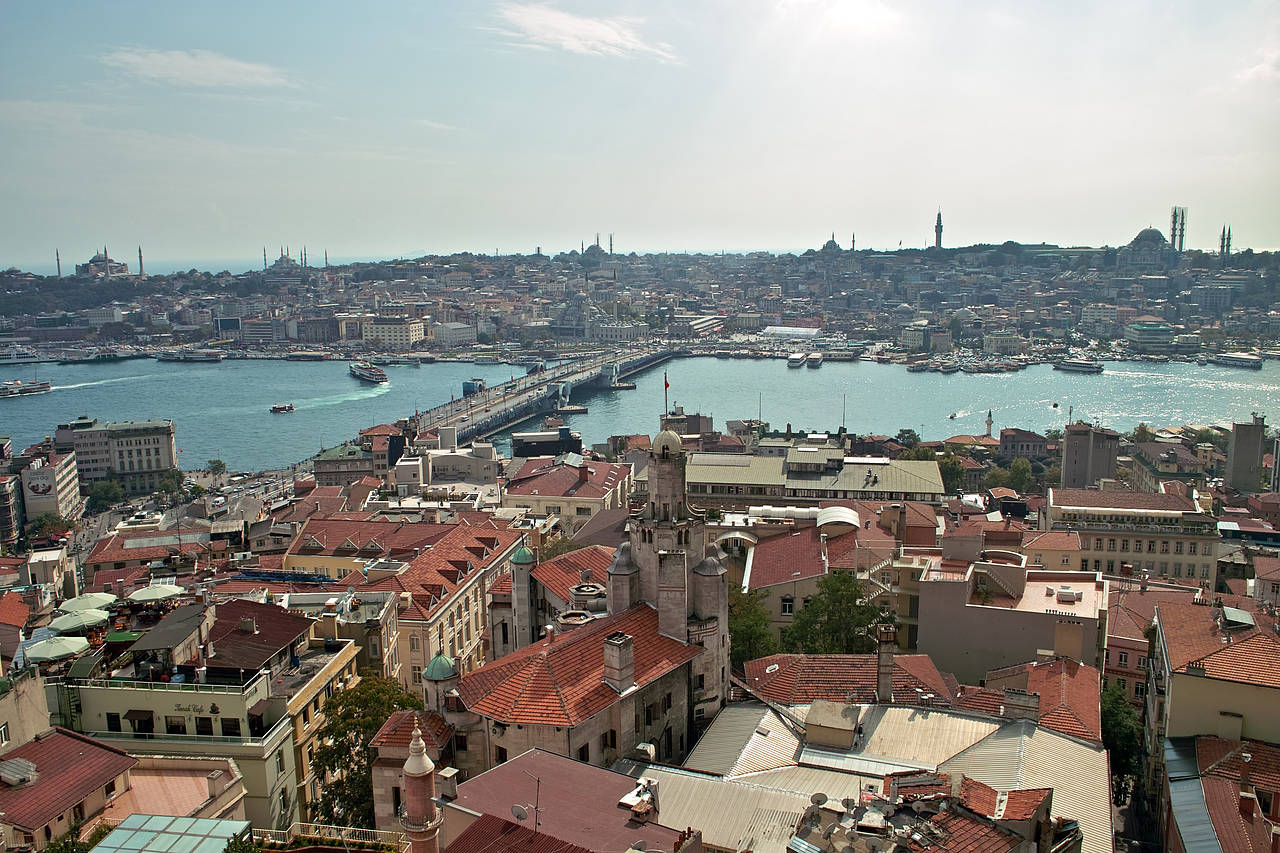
204, 130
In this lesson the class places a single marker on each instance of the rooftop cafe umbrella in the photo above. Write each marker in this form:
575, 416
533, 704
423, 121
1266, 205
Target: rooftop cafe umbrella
55, 648
88, 601
79, 620
155, 592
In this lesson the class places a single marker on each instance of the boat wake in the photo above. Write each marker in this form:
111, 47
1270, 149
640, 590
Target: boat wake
104, 382
367, 392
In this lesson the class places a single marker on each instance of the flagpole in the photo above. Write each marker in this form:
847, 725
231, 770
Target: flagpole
665, 386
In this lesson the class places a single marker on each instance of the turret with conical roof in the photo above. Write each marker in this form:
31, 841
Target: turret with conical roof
522, 563
421, 818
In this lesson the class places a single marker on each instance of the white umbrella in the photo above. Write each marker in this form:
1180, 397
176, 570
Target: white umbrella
155, 592
79, 620
88, 601
55, 648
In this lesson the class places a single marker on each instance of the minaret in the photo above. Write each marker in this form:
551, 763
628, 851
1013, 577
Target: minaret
58, 257
989, 422
106, 259
264, 258
853, 242
937, 232
421, 819
141, 274
326, 258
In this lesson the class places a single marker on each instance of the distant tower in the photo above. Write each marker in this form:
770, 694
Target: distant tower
1178, 228
264, 258
106, 259
421, 819
141, 272
610, 242
853, 241
937, 235
989, 422
326, 258
58, 257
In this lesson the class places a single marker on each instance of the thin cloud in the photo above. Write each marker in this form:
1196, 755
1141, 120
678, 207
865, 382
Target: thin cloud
1265, 70
196, 68
433, 125
542, 27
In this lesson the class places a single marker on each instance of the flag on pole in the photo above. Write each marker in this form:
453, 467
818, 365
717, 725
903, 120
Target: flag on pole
665, 383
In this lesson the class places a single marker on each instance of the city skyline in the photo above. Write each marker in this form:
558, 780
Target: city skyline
766, 126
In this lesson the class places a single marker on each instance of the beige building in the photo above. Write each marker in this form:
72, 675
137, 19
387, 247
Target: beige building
24, 710
392, 332
1164, 535
135, 453
570, 486
51, 485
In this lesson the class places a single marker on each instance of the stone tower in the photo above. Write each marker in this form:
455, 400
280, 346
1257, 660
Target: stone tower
668, 563
421, 819
937, 232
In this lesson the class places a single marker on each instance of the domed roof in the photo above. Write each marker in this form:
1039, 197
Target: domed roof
964, 315
522, 555
904, 308
667, 442
441, 668
1149, 235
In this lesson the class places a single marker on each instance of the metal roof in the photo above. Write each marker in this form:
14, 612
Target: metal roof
743, 738
1186, 797
141, 833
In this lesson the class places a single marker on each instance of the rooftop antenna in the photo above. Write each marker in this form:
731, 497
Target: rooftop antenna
521, 812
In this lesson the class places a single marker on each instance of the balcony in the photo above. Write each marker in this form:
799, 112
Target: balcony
303, 835
177, 687
284, 723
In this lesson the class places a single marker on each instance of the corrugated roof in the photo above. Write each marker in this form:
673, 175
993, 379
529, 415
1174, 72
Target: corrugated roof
743, 738
1022, 755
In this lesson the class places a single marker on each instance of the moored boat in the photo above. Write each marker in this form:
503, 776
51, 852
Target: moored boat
1238, 359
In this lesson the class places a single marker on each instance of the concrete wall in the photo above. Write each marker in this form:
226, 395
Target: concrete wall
1206, 706
24, 709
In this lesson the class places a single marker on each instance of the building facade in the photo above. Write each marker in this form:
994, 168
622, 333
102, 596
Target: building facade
134, 453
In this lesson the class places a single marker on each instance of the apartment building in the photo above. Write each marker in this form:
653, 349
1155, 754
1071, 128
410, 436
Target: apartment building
50, 484
570, 486
1156, 462
1163, 534
392, 332
134, 453
1088, 455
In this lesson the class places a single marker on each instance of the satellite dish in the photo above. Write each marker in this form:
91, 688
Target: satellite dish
641, 845
849, 803
818, 798
519, 812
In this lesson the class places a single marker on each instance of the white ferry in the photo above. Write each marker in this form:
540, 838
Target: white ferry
18, 388
15, 354
815, 359
365, 371
189, 355
1078, 365
1238, 359
796, 359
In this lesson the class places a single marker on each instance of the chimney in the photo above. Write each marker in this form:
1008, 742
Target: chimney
249, 624
216, 783
584, 473
1021, 705
887, 636
549, 633
619, 661
448, 779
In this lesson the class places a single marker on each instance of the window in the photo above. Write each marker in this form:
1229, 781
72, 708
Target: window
1111, 544
113, 721
1177, 547
279, 760
4, 733
788, 605
417, 675
1124, 684
110, 790
1139, 689
459, 743
1142, 662
1204, 570
1124, 658
500, 754
699, 682
204, 726
650, 711
415, 644
584, 753
666, 703
1164, 546
609, 739
175, 725
230, 727
284, 799
306, 716
1191, 547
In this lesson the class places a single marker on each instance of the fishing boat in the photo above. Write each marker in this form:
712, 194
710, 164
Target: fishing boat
281, 408
367, 372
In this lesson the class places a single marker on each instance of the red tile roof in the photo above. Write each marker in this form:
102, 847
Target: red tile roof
1069, 697
560, 574
397, 731
70, 767
1022, 805
493, 834
1266, 568
344, 537
800, 679
1192, 636
13, 610
1053, 540
552, 479
965, 834
381, 429
1130, 612
916, 785
561, 681
1120, 500
979, 796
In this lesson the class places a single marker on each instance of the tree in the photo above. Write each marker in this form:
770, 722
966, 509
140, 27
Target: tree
48, 524
1052, 475
995, 478
1121, 735
216, 467
907, 437
750, 635
835, 621
1020, 474
105, 494
169, 482
952, 471
344, 759
922, 454
1142, 433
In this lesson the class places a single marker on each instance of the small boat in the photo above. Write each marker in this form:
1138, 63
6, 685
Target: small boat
366, 372
281, 408
190, 355
1055, 405
552, 422
953, 416
1238, 359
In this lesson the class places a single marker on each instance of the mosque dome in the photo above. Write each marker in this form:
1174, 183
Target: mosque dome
667, 443
1149, 236
522, 555
964, 315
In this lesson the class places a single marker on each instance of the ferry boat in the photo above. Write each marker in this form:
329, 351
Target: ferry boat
306, 355
95, 356
1078, 365
815, 359
189, 355
797, 359
18, 388
1238, 359
15, 354
365, 371
487, 359
281, 408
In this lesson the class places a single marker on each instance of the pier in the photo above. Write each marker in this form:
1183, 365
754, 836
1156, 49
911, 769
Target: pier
500, 406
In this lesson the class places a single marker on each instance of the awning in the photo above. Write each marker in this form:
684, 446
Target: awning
260, 707
134, 715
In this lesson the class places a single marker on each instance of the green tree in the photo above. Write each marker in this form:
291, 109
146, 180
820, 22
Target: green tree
750, 634
921, 454
835, 621
105, 494
1121, 734
216, 467
344, 760
1020, 474
952, 471
1052, 475
1142, 433
907, 437
48, 524
170, 482
995, 478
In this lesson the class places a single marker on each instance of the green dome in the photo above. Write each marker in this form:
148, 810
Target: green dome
441, 668
522, 555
